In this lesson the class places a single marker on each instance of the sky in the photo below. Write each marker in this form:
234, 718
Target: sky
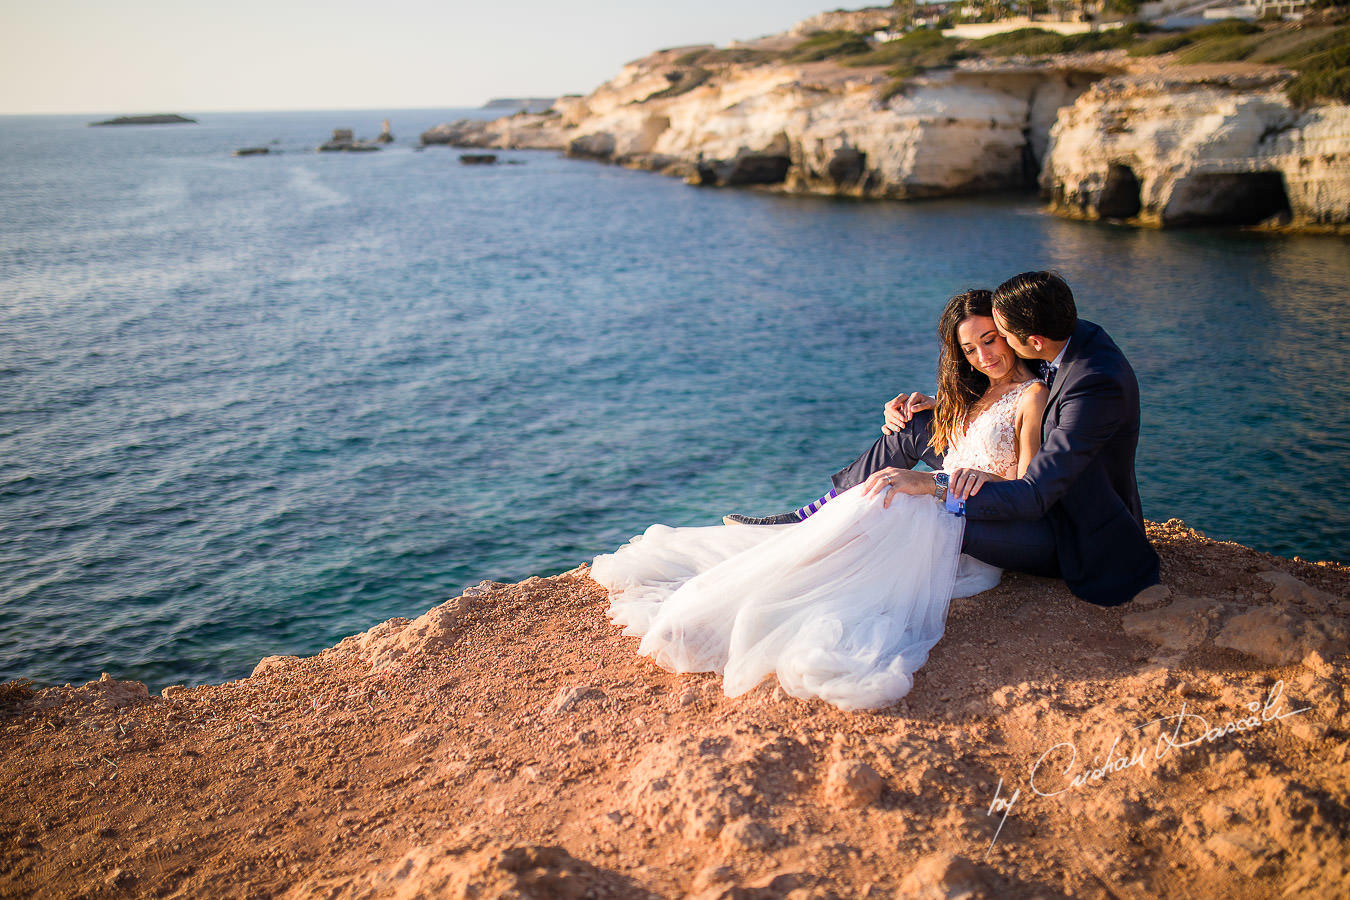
145, 56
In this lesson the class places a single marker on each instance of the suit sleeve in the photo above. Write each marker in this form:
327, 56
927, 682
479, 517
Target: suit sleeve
1091, 411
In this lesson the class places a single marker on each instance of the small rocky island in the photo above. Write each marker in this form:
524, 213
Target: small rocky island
156, 119
526, 104
344, 141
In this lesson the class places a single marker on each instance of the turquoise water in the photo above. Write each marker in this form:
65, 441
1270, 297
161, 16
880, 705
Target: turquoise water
250, 406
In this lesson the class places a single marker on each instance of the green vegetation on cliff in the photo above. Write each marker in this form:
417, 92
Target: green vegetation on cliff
1205, 34
682, 82
829, 45
1318, 53
923, 49
721, 56
1039, 42
1322, 76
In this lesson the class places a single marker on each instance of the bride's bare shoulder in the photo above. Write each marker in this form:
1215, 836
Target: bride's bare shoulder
1033, 399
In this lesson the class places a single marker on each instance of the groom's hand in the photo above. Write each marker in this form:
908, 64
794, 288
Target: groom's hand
966, 483
901, 409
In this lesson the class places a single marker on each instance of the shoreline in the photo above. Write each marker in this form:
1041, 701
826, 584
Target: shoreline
510, 739
1024, 195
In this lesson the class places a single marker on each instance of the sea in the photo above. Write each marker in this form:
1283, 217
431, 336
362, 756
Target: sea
249, 406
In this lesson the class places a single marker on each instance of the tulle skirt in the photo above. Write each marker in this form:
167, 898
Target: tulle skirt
844, 606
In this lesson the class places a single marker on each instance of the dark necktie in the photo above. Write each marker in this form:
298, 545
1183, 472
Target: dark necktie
1048, 373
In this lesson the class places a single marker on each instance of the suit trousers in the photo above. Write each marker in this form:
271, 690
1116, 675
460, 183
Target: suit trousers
1023, 545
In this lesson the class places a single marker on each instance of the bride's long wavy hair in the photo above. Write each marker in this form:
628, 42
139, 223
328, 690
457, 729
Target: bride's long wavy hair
960, 384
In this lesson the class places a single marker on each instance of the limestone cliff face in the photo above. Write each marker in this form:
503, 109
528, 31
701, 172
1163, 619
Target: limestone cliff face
1180, 149
1104, 135
810, 128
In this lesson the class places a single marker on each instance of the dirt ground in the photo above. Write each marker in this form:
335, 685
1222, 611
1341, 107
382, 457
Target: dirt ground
510, 743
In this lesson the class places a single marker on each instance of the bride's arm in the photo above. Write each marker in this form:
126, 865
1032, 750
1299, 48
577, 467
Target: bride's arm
1030, 409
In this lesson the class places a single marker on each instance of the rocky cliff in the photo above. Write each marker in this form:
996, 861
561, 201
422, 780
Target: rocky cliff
1195, 143
510, 743
811, 128
1194, 146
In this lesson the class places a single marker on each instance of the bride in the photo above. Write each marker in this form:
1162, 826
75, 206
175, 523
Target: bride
846, 605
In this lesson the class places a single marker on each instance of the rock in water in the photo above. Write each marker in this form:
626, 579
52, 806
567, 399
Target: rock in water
344, 141
157, 119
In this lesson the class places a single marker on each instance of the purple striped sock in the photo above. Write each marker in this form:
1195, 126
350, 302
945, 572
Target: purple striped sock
815, 505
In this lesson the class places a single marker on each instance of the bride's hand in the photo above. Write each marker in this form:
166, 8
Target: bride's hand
901, 409
897, 481
966, 483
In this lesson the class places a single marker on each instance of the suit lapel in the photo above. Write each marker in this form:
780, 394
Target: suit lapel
1077, 344
1060, 378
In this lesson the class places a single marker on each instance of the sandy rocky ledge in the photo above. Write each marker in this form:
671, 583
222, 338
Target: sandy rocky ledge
509, 743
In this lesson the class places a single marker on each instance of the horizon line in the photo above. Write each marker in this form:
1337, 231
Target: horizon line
233, 109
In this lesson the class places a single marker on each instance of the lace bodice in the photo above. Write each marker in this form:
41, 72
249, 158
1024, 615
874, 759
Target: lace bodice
990, 442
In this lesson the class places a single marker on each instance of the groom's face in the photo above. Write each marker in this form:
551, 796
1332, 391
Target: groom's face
1023, 349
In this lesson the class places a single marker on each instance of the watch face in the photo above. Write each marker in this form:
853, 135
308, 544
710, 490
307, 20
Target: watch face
942, 478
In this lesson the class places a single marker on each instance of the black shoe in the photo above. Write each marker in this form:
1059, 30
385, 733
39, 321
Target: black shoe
780, 519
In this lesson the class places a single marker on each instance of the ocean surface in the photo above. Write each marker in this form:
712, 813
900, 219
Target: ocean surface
249, 406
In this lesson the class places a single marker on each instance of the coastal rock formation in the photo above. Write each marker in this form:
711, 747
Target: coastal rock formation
511, 743
104, 694
528, 104
1153, 142
523, 131
1196, 148
856, 20
344, 141
809, 128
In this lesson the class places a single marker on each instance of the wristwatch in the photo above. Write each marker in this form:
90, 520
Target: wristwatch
940, 481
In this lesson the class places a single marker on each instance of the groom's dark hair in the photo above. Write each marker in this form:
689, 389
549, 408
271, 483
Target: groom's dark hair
1036, 303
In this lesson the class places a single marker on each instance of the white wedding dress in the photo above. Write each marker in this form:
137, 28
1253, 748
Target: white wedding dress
844, 606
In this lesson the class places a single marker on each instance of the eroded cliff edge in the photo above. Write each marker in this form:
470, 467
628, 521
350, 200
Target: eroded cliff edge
1192, 145
509, 743
1104, 135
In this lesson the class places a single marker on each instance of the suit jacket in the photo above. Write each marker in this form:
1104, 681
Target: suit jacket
1083, 479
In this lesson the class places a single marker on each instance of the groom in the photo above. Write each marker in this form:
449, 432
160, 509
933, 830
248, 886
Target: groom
1075, 514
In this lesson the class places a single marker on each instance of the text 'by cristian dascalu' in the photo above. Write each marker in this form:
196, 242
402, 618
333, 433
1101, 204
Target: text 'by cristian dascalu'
1057, 770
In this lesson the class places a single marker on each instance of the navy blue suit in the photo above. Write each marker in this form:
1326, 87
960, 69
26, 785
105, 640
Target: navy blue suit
1075, 513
